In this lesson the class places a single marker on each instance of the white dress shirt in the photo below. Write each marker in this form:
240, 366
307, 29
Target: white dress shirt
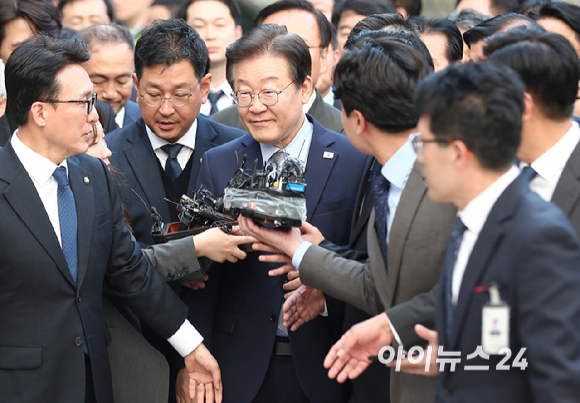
225, 100
187, 140
306, 107
120, 117
550, 165
40, 170
298, 148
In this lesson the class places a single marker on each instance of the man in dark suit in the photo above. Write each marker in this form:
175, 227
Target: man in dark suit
63, 226
4, 128
269, 71
111, 68
300, 17
169, 104
511, 263
414, 227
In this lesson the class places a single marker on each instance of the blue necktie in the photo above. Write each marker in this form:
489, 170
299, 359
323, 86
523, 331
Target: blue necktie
528, 173
381, 189
449, 261
172, 167
213, 98
67, 216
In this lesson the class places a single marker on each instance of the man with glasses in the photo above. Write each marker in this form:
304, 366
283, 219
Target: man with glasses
240, 306
300, 17
63, 236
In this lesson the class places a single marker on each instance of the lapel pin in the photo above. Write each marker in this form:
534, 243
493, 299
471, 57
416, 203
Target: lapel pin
86, 180
200, 160
328, 155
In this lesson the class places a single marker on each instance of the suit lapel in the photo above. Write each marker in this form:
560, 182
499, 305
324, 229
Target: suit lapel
484, 249
25, 201
203, 141
360, 221
413, 193
84, 201
143, 161
380, 275
318, 169
567, 192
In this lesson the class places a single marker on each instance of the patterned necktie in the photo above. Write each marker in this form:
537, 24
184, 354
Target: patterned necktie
278, 157
67, 216
528, 173
172, 167
213, 99
449, 261
381, 188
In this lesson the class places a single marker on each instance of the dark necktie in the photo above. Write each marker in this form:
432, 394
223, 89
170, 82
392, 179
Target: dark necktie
67, 217
381, 189
213, 99
278, 157
449, 261
172, 167
528, 173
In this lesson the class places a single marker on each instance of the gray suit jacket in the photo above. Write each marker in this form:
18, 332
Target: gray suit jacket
327, 115
417, 241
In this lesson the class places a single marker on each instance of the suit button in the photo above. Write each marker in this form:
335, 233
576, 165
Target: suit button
79, 297
78, 341
272, 317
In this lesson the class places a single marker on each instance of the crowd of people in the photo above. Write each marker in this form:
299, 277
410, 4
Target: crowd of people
438, 261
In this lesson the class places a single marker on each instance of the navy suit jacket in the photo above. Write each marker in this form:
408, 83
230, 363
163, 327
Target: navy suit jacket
237, 312
135, 159
528, 247
42, 313
132, 113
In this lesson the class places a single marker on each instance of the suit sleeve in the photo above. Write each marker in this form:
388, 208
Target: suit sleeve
343, 279
344, 252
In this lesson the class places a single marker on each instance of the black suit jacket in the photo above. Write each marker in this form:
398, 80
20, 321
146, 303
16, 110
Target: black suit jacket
527, 247
325, 114
5, 132
43, 314
238, 309
132, 113
135, 159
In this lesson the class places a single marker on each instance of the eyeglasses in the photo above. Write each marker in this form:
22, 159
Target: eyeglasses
177, 99
90, 102
267, 97
419, 143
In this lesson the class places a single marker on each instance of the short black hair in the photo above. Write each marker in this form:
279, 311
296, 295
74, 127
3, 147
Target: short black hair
324, 33
454, 51
529, 6
494, 25
361, 7
233, 6
41, 15
378, 76
412, 7
467, 18
108, 5
499, 7
169, 42
105, 34
378, 22
480, 104
410, 39
273, 40
568, 13
547, 64
32, 69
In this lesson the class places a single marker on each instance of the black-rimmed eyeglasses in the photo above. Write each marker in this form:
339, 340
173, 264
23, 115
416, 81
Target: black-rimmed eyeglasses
419, 143
267, 97
90, 102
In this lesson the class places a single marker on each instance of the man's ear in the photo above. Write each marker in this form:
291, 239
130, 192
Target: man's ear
306, 90
529, 107
136, 83
205, 85
39, 113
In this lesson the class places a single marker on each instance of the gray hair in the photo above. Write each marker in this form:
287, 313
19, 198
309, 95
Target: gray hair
467, 18
105, 34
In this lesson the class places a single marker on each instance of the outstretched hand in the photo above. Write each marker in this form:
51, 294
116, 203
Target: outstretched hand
204, 376
303, 305
427, 366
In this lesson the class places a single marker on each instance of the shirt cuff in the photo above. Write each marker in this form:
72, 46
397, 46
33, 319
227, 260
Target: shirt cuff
395, 334
325, 313
186, 339
299, 254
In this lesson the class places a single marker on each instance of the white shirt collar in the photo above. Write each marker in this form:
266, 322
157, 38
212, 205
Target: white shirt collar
399, 166
227, 90
39, 168
120, 117
306, 107
188, 139
474, 215
299, 146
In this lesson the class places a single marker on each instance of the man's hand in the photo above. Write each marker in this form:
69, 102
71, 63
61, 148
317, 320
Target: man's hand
204, 376
285, 240
419, 368
349, 357
219, 246
311, 234
195, 285
182, 387
303, 305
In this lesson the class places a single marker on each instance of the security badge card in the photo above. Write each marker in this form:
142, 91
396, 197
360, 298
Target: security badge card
495, 327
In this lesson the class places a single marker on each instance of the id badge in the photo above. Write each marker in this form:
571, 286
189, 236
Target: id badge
495, 327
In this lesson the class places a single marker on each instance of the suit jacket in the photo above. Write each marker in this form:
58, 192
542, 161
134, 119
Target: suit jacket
135, 159
417, 240
325, 114
528, 247
132, 113
43, 319
5, 132
238, 309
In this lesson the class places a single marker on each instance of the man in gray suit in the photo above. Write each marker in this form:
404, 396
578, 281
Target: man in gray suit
548, 66
300, 17
409, 235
